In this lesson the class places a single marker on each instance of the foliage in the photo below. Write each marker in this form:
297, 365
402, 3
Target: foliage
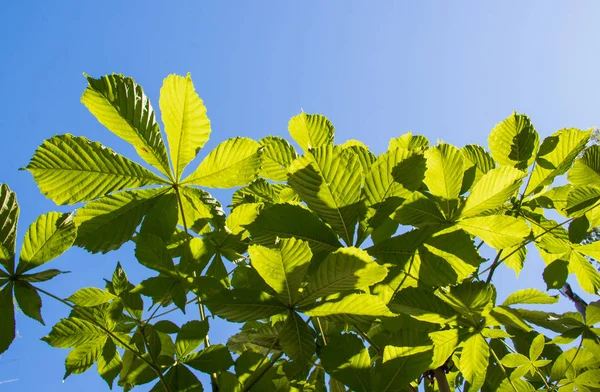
345, 270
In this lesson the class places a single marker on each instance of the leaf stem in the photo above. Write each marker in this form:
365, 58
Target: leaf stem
213, 376
274, 359
502, 366
493, 267
546, 231
367, 338
322, 333
160, 375
127, 346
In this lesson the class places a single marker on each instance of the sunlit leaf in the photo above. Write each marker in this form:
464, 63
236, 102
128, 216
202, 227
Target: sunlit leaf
514, 142
311, 130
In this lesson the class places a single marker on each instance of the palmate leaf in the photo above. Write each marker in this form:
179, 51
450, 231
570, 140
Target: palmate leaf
586, 170
297, 341
47, 238
410, 142
277, 155
477, 162
70, 169
422, 305
347, 360
107, 223
241, 305
311, 130
497, 231
121, 105
283, 268
329, 180
7, 312
352, 305
493, 189
234, 162
9, 216
186, 124
343, 270
398, 172
556, 156
471, 299
474, 360
514, 142
399, 369
445, 171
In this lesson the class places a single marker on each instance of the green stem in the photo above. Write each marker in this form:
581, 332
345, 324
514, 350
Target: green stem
213, 377
322, 333
109, 333
502, 367
546, 231
367, 338
272, 362
160, 375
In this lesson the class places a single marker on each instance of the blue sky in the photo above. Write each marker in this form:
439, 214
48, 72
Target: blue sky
448, 70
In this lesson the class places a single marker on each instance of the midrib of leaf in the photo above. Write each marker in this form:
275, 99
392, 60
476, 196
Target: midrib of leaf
137, 132
425, 212
176, 164
327, 186
190, 179
398, 370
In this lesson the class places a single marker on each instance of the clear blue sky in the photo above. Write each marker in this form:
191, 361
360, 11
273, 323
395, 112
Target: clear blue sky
449, 70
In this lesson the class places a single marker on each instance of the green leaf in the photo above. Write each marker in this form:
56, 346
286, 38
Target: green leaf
471, 299
555, 157
121, 105
186, 124
297, 341
508, 385
283, 268
581, 199
398, 172
587, 276
514, 360
410, 142
9, 216
474, 360
311, 130
477, 162
241, 305
241, 216
353, 305
343, 270
346, 359
530, 296
592, 313
70, 169
83, 357
445, 171
47, 238
107, 223
199, 206
492, 191
234, 162
42, 276
190, 336
365, 157
179, 378
29, 300
423, 305
497, 231
285, 221
7, 313
444, 344
166, 326
556, 273
515, 258
277, 155
213, 359
152, 252
398, 369
586, 170
91, 296
109, 363
514, 142
162, 217
329, 180
419, 210
536, 348
72, 332
590, 378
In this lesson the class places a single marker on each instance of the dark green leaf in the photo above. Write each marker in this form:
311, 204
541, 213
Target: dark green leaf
556, 273
190, 336
29, 300
213, 359
346, 359
7, 313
